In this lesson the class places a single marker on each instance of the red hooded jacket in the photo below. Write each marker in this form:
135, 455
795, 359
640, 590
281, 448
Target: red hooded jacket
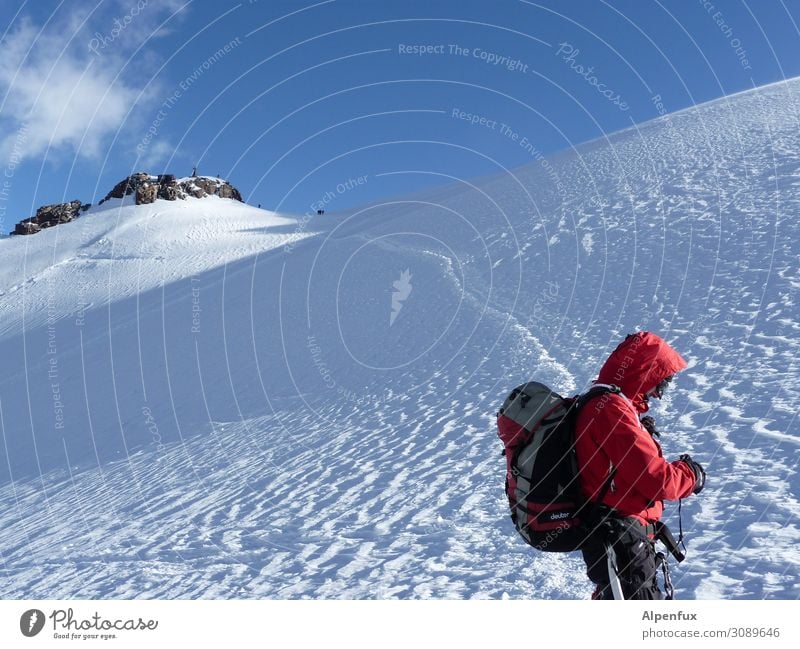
610, 436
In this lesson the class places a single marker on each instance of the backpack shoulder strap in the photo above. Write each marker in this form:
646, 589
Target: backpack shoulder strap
596, 390
580, 401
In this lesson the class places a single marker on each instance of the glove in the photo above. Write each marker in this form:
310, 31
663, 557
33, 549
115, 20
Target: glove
650, 426
699, 472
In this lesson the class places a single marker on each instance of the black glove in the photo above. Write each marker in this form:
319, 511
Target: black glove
699, 472
650, 426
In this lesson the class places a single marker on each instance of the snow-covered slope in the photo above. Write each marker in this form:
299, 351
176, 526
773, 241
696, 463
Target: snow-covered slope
118, 250
205, 399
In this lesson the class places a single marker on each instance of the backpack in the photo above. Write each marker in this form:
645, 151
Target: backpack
537, 428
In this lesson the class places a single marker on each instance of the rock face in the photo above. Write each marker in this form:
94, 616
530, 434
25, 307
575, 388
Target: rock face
50, 215
145, 187
27, 227
146, 193
148, 188
127, 186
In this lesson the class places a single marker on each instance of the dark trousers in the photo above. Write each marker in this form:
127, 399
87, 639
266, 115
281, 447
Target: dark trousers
624, 544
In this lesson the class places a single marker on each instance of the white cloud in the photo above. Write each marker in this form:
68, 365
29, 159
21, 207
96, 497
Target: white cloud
69, 98
157, 153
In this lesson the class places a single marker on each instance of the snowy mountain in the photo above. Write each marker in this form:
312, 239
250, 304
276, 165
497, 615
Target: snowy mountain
204, 399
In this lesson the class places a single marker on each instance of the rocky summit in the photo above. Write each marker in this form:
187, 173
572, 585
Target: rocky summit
148, 188
145, 187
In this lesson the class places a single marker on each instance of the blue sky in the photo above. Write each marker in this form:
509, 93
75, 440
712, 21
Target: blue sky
347, 101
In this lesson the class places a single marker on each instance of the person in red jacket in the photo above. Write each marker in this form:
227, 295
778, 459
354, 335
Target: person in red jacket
622, 470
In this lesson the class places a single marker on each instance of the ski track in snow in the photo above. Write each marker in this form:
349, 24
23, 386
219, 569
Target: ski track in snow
241, 418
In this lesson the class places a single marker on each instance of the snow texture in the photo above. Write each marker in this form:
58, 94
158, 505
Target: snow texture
203, 399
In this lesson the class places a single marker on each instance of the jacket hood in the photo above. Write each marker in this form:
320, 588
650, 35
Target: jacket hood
639, 364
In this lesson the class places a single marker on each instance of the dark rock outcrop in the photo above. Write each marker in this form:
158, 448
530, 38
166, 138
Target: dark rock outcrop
148, 188
128, 186
145, 187
168, 192
60, 213
27, 227
49, 215
146, 193
226, 190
